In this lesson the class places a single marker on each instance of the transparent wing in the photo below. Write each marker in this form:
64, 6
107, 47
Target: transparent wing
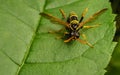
92, 17
54, 19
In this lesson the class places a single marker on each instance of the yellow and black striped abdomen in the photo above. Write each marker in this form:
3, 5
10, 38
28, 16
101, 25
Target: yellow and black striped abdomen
73, 20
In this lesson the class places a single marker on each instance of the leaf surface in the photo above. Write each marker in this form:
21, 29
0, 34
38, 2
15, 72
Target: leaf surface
26, 48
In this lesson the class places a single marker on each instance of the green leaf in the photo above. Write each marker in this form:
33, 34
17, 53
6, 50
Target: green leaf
114, 66
26, 48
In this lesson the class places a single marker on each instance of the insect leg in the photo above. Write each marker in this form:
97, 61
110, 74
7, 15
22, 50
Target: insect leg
69, 39
63, 13
84, 36
83, 14
66, 33
60, 37
58, 32
92, 17
84, 41
93, 26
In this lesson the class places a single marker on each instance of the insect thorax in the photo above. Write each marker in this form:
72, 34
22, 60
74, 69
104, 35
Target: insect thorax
73, 20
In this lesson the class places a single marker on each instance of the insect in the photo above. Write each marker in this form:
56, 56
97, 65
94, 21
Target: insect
73, 25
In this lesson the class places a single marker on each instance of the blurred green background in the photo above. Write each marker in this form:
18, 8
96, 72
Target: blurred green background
114, 65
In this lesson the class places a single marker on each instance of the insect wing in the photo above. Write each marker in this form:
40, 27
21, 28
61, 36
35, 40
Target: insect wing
95, 15
54, 19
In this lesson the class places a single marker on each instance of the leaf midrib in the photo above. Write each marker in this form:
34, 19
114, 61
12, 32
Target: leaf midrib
31, 42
